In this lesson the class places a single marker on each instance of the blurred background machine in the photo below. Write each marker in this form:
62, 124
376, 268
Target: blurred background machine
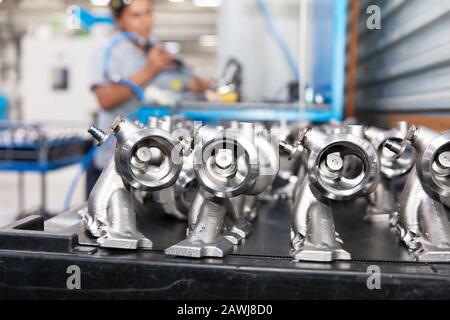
41, 149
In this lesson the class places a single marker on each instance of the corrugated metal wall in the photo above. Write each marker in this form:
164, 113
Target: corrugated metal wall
405, 66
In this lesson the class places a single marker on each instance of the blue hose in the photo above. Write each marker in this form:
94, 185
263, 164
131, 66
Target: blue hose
278, 37
73, 185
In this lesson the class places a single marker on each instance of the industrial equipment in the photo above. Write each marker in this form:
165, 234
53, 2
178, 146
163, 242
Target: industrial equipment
214, 180
340, 167
232, 166
176, 199
22, 143
145, 161
176, 188
383, 202
422, 221
214, 177
153, 168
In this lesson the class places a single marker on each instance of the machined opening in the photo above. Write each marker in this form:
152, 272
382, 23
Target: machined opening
343, 169
151, 162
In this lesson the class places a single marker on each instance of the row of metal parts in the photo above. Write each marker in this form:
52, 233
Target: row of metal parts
215, 178
28, 136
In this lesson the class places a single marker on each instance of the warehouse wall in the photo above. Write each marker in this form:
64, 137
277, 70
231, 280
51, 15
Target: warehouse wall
404, 68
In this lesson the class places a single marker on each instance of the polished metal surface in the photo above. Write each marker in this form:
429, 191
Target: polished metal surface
339, 167
383, 202
237, 175
313, 235
164, 151
233, 166
143, 163
217, 178
347, 183
110, 216
422, 221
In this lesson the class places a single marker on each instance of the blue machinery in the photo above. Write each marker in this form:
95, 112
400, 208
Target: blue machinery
4, 102
208, 112
338, 59
332, 76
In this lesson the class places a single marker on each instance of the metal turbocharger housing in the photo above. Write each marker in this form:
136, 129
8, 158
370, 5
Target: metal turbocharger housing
422, 223
341, 167
232, 167
148, 159
177, 199
145, 160
394, 168
433, 163
234, 162
225, 162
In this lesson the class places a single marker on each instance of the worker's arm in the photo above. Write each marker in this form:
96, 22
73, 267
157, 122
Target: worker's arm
199, 86
110, 96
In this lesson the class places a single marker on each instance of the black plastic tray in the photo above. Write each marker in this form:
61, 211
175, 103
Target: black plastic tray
34, 263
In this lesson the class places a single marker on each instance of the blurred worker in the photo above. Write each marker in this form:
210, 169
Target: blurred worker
155, 68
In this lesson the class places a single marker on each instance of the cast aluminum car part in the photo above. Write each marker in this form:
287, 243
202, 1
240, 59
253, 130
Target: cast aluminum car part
145, 160
295, 173
176, 199
383, 202
422, 222
232, 166
339, 167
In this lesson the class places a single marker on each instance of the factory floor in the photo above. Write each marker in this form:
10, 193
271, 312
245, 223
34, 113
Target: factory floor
57, 187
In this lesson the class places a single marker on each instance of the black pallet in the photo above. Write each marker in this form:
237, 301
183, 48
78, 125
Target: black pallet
34, 263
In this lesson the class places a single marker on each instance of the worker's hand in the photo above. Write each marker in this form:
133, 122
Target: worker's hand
198, 85
159, 59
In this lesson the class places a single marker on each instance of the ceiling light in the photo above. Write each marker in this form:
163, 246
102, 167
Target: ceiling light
207, 3
100, 3
208, 40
